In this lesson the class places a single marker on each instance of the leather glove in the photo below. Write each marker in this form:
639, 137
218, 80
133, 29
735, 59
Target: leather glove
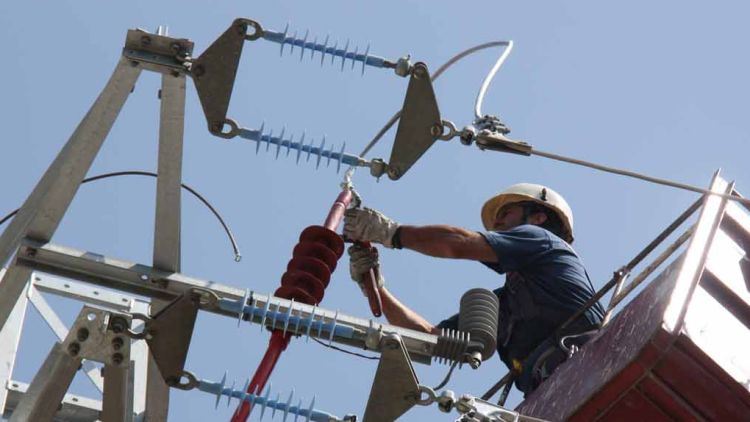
361, 261
368, 225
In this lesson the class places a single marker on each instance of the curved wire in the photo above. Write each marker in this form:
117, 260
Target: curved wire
389, 124
235, 248
490, 76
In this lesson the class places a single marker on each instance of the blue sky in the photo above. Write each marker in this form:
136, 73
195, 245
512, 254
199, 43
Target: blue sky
655, 87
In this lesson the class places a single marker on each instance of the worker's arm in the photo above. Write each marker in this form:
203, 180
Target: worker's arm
398, 314
447, 242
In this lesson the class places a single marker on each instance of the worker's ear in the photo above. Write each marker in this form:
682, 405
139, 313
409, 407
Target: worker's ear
537, 219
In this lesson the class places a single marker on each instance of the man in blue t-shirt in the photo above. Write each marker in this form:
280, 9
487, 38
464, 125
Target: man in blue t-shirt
529, 231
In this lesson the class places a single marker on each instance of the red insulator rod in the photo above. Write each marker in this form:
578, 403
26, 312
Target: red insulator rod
306, 278
337, 210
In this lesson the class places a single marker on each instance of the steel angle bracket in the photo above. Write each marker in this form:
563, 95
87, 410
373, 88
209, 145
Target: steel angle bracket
419, 126
169, 332
158, 53
215, 70
395, 389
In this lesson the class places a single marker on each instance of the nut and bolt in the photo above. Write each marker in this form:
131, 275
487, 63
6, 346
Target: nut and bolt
145, 40
420, 71
82, 334
117, 358
117, 343
394, 172
31, 252
436, 130
118, 325
74, 348
198, 71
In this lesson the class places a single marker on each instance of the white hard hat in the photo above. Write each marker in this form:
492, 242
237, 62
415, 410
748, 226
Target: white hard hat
529, 192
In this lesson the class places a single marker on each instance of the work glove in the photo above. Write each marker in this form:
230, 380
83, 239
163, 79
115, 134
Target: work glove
361, 261
368, 225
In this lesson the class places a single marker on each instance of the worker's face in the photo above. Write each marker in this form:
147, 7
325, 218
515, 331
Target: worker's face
508, 217
511, 216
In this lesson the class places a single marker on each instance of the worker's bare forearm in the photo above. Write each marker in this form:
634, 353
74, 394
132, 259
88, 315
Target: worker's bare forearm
444, 241
398, 314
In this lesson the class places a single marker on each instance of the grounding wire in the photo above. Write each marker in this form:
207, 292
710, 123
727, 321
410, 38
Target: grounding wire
330, 346
439, 72
490, 76
227, 230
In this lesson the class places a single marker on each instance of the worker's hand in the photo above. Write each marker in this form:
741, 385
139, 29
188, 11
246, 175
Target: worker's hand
361, 261
368, 225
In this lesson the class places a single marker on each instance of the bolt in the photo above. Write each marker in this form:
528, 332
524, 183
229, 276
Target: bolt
241, 29
436, 130
145, 40
117, 343
176, 74
176, 47
134, 63
394, 172
74, 348
118, 325
31, 252
217, 127
391, 345
117, 358
419, 71
198, 71
82, 334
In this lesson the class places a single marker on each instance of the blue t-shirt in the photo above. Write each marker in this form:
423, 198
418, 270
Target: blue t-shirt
553, 273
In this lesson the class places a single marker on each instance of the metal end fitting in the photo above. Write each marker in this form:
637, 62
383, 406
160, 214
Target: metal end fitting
467, 135
403, 66
446, 400
378, 167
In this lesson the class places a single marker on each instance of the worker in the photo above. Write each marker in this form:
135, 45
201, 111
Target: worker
529, 232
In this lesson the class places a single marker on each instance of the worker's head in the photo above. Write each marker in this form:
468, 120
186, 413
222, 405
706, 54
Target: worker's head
527, 203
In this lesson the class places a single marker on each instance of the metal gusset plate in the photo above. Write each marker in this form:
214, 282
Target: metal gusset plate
170, 332
395, 389
215, 70
420, 124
